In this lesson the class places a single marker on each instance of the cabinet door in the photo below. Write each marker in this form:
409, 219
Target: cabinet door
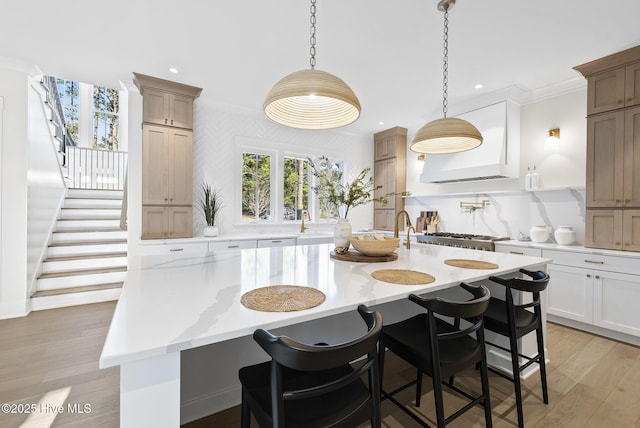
518, 250
155, 107
616, 298
181, 111
632, 157
570, 293
385, 148
179, 222
385, 176
605, 160
154, 222
384, 219
631, 230
155, 165
605, 91
603, 229
632, 85
180, 167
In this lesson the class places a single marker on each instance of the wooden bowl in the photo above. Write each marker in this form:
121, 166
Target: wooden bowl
375, 247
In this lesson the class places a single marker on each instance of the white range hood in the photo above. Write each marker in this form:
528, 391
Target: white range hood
497, 157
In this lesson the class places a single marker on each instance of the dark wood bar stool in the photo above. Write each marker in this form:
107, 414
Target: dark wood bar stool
440, 349
314, 385
515, 321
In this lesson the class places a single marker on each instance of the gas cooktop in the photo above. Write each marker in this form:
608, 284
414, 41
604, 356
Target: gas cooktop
463, 240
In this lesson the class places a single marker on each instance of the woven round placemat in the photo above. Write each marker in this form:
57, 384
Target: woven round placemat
282, 298
402, 276
470, 264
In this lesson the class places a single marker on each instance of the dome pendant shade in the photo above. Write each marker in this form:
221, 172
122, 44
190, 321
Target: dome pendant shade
447, 135
312, 99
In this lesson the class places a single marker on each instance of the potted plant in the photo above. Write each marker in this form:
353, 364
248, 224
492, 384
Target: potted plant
342, 195
211, 204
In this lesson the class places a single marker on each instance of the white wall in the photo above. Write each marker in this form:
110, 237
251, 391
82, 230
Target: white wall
512, 210
218, 131
13, 191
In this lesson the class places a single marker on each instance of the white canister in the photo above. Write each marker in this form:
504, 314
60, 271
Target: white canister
539, 233
565, 235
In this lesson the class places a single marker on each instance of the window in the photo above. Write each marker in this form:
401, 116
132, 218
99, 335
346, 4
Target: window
296, 188
256, 186
277, 187
69, 92
91, 114
106, 104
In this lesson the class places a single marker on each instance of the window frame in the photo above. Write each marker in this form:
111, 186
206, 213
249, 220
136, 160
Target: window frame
278, 152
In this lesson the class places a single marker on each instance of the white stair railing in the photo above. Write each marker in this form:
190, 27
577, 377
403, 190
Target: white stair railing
96, 169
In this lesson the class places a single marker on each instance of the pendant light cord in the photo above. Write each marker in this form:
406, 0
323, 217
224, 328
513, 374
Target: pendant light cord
445, 66
312, 37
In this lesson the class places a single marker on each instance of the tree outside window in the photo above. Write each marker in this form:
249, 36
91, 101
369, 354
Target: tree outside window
106, 104
296, 188
256, 186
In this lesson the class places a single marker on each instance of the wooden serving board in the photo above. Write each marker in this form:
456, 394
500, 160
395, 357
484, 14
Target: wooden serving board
355, 256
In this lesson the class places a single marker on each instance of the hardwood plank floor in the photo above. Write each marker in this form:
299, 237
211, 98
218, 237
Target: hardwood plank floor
593, 381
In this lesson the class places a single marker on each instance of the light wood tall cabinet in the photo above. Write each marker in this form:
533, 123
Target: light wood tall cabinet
390, 173
613, 151
167, 173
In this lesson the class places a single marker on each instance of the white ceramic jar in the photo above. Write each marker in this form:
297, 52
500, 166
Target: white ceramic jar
539, 233
341, 233
565, 235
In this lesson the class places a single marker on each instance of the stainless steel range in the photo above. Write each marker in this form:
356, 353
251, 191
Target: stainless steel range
463, 240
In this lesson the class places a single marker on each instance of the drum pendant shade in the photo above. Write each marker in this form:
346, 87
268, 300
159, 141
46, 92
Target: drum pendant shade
446, 135
312, 99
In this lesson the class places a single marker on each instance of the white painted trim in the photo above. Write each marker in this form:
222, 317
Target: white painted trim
13, 309
73, 299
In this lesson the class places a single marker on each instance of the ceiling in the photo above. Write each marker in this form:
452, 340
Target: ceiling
389, 52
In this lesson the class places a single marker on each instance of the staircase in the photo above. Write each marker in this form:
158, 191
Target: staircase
86, 259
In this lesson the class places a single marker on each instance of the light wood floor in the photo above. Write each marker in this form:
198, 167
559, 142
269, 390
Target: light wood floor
593, 382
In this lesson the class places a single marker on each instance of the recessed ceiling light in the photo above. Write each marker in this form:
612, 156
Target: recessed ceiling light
380, 123
173, 70
478, 86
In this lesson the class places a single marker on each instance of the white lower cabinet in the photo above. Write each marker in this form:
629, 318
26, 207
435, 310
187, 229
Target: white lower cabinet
599, 297
280, 242
570, 293
617, 296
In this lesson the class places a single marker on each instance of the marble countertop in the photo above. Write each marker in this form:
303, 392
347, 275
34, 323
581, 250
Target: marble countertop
574, 248
171, 303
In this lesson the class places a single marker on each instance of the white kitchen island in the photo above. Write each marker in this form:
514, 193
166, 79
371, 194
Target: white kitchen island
172, 304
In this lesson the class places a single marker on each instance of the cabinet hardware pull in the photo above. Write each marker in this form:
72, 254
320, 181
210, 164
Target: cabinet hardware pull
598, 262
275, 242
233, 246
176, 249
588, 275
618, 201
165, 121
517, 252
597, 276
617, 243
172, 121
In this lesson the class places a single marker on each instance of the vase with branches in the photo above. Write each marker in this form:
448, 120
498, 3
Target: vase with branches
211, 204
332, 189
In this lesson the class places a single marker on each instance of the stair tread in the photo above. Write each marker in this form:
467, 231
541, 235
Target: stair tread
78, 272
101, 242
83, 289
106, 229
86, 256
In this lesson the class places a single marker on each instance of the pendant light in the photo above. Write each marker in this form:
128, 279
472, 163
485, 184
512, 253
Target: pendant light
446, 135
312, 99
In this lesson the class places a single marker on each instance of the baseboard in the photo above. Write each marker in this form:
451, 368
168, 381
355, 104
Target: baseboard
610, 334
14, 310
209, 404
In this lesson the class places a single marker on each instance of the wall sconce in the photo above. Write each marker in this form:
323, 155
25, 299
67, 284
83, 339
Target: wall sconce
553, 137
420, 163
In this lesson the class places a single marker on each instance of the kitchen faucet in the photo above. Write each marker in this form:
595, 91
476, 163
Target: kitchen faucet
408, 222
409, 236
